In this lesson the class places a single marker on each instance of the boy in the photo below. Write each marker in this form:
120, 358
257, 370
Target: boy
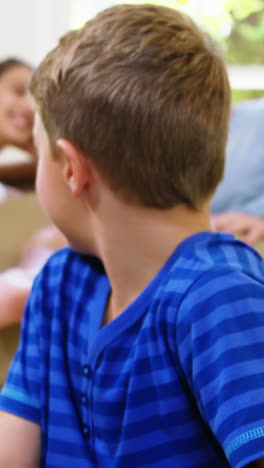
142, 346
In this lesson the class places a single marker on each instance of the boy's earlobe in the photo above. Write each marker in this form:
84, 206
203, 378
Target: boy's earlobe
69, 176
75, 170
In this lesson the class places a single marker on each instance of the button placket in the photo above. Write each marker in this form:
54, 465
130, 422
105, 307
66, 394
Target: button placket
85, 431
84, 399
87, 371
86, 383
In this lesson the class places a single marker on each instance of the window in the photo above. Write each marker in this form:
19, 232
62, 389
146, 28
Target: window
238, 27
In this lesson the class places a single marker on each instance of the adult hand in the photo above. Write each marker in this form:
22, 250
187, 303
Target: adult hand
15, 286
249, 227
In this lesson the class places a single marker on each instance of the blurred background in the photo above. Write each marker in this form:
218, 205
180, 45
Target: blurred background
30, 28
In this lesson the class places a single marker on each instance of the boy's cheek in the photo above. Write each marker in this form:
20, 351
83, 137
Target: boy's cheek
42, 187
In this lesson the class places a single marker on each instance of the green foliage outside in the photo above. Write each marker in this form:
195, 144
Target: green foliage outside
236, 25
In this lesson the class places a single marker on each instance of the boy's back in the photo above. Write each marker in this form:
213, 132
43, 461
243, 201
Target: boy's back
124, 394
144, 347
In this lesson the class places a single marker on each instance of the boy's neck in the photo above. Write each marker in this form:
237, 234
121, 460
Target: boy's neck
134, 243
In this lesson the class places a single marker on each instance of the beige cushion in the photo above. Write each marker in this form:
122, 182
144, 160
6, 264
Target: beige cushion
20, 217
8, 345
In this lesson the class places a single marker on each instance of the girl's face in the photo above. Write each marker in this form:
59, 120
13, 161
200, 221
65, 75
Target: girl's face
16, 113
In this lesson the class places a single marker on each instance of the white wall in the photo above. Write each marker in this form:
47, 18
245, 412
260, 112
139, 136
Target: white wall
30, 28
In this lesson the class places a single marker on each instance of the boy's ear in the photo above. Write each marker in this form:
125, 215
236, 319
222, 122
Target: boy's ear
77, 168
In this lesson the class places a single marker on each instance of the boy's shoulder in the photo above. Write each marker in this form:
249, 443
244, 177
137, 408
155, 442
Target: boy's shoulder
213, 272
67, 283
226, 252
68, 269
208, 263
67, 256
220, 250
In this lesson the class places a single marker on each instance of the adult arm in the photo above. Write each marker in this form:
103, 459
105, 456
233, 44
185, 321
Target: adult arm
19, 442
16, 283
250, 227
15, 287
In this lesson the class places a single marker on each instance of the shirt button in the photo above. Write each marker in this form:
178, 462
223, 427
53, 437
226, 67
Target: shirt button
84, 400
85, 431
86, 370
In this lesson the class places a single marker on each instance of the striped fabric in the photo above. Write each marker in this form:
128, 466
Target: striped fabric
177, 380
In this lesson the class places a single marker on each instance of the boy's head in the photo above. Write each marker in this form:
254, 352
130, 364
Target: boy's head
141, 91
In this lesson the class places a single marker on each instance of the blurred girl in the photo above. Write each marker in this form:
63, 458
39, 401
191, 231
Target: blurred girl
16, 124
16, 119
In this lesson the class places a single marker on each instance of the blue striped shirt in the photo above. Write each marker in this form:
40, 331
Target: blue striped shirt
177, 380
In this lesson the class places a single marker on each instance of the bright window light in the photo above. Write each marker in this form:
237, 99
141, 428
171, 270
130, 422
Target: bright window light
215, 16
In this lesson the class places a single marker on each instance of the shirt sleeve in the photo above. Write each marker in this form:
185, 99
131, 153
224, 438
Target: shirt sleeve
221, 350
20, 394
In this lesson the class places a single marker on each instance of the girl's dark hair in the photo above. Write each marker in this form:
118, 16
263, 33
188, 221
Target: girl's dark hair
13, 62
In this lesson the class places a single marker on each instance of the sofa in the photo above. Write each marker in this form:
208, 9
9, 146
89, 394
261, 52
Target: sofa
20, 217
